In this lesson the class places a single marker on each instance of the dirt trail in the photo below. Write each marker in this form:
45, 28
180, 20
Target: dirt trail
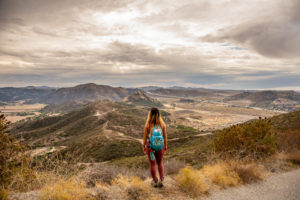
198, 135
110, 134
284, 186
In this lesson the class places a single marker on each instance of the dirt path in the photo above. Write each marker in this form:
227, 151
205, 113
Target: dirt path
284, 186
110, 134
198, 135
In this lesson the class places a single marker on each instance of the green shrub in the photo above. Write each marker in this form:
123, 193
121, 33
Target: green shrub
255, 139
186, 128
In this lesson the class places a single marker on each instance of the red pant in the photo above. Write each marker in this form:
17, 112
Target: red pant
159, 161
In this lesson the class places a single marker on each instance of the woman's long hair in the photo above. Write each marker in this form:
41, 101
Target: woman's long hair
154, 117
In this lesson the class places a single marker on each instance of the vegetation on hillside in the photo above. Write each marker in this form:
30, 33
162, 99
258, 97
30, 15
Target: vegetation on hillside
256, 138
15, 171
261, 137
91, 138
140, 98
278, 100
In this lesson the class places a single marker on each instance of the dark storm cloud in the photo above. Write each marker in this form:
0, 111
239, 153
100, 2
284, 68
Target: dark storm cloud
277, 37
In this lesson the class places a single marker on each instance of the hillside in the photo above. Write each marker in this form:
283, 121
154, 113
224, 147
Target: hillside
29, 95
192, 92
181, 92
64, 107
141, 98
281, 100
102, 126
87, 92
112, 136
105, 124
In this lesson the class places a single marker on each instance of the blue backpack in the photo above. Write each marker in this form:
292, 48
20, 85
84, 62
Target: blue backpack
156, 139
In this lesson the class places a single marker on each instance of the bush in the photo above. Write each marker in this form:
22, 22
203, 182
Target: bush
293, 157
15, 172
289, 140
134, 186
255, 139
3, 194
192, 181
186, 128
248, 173
67, 190
105, 173
173, 166
221, 175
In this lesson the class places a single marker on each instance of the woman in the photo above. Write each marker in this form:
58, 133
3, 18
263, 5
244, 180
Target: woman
155, 119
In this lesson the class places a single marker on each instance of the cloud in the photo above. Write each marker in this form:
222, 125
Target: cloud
276, 37
130, 42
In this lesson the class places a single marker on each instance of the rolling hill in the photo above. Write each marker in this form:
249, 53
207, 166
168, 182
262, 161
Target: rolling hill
87, 92
93, 130
64, 107
141, 98
104, 130
29, 95
192, 92
281, 100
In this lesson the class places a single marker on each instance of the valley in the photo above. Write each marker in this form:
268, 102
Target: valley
93, 128
20, 110
96, 140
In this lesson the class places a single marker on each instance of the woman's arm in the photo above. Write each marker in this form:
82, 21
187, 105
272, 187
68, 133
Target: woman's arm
164, 129
145, 137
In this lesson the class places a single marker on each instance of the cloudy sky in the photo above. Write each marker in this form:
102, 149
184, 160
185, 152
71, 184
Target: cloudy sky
234, 44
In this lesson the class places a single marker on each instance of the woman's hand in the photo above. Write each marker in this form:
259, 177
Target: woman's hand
165, 149
144, 149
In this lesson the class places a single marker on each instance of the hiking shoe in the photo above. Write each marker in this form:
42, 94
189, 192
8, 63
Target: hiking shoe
160, 183
154, 184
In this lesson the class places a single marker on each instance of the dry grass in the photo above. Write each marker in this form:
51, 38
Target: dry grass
289, 140
192, 181
105, 173
15, 171
3, 194
24, 179
173, 166
248, 173
71, 189
293, 157
134, 186
222, 175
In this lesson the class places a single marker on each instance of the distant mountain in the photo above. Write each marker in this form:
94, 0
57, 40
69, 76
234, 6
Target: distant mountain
147, 88
140, 98
182, 92
282, 100
30, 95
39, 87
2, 104
87, 92
187, 88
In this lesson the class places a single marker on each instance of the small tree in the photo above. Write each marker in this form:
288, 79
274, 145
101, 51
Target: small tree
13, 160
